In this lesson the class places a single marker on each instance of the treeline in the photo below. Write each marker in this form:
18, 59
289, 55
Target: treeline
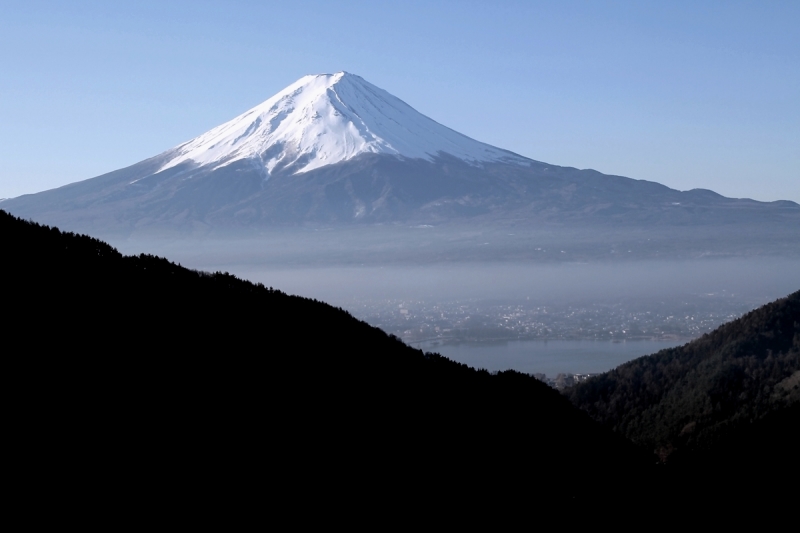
714, 400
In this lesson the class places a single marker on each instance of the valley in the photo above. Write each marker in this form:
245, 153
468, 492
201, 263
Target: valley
266, 262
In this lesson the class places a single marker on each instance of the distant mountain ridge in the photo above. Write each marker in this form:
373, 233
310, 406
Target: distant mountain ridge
335, 149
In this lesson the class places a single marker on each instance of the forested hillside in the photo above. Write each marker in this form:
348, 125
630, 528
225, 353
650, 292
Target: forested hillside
728, 395
135, 368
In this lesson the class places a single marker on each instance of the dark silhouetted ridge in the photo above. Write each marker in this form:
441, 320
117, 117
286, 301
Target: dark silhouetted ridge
132, 371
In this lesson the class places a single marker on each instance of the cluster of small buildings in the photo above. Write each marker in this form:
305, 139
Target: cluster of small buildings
563, 381
476, 321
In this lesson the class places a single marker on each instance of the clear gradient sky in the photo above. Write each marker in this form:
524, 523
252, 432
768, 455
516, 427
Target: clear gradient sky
689, 94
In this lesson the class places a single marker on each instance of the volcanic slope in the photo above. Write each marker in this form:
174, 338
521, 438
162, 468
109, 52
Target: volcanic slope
335, 149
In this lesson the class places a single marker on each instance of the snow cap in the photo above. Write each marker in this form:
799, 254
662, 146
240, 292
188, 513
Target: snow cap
324, 119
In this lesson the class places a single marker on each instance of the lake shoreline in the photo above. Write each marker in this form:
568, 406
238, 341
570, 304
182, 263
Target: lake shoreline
548, 357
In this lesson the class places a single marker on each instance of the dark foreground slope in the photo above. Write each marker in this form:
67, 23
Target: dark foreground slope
133, 372
729, 399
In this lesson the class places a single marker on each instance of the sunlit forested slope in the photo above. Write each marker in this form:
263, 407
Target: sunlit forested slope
731, 396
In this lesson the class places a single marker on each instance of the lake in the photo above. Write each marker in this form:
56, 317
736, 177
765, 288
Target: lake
548, 357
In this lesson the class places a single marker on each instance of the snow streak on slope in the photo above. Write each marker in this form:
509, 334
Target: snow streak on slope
324, 119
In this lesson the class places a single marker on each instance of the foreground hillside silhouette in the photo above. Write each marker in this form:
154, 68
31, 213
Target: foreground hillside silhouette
144, 383
134, 368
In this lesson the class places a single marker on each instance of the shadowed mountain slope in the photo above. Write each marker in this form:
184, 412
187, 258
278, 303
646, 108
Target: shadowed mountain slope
133, 368
380, 189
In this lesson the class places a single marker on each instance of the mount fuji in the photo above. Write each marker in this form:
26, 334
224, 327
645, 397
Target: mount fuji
333, 149
327, 119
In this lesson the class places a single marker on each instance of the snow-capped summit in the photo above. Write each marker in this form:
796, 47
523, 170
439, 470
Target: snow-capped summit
324, 119
334, 149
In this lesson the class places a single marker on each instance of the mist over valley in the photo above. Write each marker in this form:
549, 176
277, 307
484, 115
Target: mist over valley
434, 293
336, 190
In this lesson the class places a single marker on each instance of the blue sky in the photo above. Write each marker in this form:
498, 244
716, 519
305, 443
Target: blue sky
689, 94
